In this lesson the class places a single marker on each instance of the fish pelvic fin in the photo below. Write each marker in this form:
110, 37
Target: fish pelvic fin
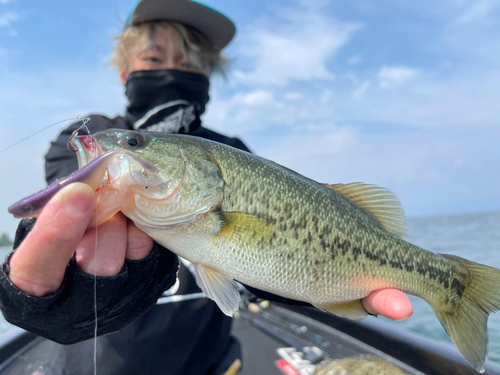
466, 323
382, 205
218, 287
351, 310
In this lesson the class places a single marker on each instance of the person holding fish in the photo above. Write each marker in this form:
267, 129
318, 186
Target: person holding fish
165, 57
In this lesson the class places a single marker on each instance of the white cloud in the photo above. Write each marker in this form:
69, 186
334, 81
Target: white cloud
419, 129
326, 96
466, 99
6, 19
245, 112
430, 171
354, 60
294, 46
478, 11
359, 92
458, 163
258, 98
389, 77
293, 96
312, 152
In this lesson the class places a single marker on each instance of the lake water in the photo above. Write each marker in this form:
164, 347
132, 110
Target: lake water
472, 236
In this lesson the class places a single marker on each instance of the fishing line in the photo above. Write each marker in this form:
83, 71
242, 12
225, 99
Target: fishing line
95, 299
78, 118
94, 151
85, 121
95, 155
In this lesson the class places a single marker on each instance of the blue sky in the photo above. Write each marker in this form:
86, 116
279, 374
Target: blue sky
404, 95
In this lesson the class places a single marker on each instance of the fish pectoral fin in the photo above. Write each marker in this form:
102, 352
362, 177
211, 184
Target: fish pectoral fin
237, 226
218, 287
379, 203
351, 310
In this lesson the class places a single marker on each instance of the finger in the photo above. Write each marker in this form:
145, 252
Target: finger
111, 240
391, 303
39, 263
139, 243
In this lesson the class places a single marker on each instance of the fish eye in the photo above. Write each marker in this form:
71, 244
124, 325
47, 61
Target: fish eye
133, 141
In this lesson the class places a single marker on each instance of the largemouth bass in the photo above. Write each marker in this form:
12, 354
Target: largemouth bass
240, 217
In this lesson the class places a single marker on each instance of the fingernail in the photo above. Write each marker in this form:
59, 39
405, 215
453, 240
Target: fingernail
77, 198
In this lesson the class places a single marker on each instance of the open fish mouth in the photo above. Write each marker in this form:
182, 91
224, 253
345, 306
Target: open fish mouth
86, 147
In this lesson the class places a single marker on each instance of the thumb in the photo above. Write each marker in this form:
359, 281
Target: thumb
38, 265
391, 303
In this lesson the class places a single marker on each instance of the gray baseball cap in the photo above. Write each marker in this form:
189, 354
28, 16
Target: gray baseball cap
219, 29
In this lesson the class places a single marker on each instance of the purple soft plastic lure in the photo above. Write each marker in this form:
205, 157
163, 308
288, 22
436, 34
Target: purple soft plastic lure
91, 174
95, 162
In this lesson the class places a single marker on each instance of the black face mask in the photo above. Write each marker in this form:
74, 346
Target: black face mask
166, 100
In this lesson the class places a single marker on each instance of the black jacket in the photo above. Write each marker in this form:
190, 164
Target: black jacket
188, 337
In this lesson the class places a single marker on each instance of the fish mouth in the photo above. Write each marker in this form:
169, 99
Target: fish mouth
87, 148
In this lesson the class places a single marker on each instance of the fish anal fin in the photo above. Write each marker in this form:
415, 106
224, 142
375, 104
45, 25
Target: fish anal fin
351, 310
218, 287
379, 203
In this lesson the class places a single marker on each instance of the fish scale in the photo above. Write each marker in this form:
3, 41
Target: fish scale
281, 202
237, 216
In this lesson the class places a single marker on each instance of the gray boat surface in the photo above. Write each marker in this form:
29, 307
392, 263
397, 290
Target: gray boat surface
301, 337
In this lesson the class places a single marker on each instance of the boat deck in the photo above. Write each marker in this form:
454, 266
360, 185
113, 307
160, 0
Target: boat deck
288, 340
280, 334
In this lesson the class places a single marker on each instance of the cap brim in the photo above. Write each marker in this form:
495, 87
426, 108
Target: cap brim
219, 29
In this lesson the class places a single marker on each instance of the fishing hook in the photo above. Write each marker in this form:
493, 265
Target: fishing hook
70, 146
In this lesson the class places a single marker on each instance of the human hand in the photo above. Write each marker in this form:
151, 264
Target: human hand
391, 303
39, 263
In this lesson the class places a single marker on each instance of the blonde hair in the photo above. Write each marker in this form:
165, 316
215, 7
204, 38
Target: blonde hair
195, 48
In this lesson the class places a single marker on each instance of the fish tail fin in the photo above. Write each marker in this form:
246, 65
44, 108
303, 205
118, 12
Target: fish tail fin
466, 320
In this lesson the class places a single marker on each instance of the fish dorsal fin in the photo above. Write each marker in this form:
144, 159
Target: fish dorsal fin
379, 203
